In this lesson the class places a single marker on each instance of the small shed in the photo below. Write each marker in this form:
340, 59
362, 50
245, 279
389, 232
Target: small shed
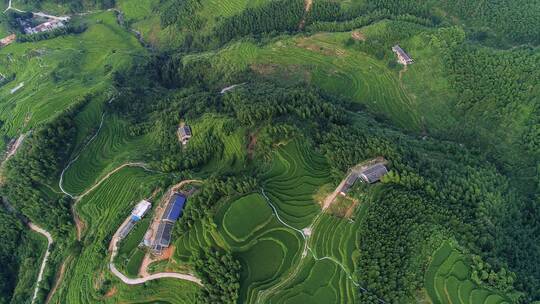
184, 133
126, 229
374, 173
403, 57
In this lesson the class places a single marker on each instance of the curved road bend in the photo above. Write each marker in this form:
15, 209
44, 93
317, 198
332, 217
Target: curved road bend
113, 247
45, 233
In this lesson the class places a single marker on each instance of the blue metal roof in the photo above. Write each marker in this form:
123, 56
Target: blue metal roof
175, 207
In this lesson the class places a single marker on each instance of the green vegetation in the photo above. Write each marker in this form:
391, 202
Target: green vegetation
448, 280
317, 92
20, 251
60, 72
132, 267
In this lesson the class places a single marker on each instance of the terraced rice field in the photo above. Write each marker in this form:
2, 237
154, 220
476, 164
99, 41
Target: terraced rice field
103, 211
234, 152
111, 147
273, 267
240, 221
326, 276
324, 60
294, 177
214, 8
58, 72
448, 281
266, 249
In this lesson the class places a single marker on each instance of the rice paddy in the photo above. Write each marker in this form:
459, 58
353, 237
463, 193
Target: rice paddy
447, 281
56, 73
325, 61
275, 267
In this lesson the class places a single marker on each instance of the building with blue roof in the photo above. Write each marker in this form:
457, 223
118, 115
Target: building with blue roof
175, 208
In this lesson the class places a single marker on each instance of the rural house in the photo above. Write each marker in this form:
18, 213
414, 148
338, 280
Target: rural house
45, 27
184, 134
136, 215
162, 237
373, 174
403, 57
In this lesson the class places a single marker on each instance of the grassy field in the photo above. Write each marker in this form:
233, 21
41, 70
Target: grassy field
447, 281
57, 73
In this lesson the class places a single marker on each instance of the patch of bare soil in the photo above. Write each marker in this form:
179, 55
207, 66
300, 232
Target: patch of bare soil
307, 7
149, 259
401, 74
309, 44
358, 36
79, 225
111, 292
349, 213
58, 280
264, 69
251, 145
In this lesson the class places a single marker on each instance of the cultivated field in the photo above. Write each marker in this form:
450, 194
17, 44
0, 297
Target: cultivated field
448, 281
324, 60
276, 266
59, 72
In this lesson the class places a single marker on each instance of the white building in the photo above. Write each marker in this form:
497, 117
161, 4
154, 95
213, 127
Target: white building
140, 210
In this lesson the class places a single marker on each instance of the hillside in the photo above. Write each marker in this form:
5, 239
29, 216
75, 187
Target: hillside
313, 166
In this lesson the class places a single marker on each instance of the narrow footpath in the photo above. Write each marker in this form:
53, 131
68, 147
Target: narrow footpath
45, 233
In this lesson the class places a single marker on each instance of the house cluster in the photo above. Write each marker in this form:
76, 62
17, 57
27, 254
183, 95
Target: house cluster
7, 40
184, 133
369, 175
161, 238
136, 215
403, 57
45, 26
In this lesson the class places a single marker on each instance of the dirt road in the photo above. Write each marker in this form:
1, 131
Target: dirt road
332, 196
45, 233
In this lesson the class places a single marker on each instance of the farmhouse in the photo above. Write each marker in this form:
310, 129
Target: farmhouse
184, 134
349, 182
403, 57
45, 27
162, 238
140, 210
374, 173
136, 215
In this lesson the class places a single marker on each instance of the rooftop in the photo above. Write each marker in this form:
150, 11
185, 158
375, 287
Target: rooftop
174, 208
374, 173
